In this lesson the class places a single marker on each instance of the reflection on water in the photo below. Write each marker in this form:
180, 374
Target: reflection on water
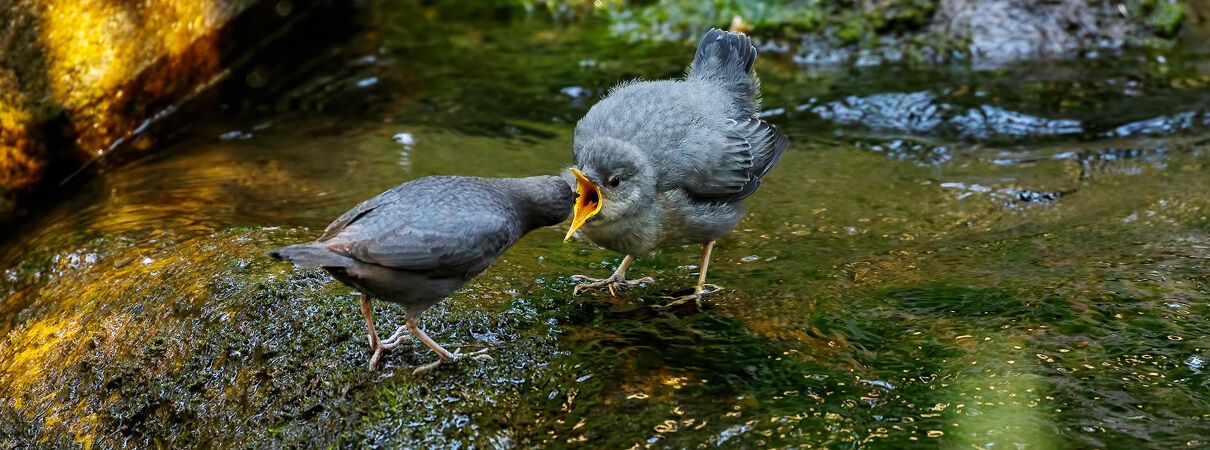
1041, 285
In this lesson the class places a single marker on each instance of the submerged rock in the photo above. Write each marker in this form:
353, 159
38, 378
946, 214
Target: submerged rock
920, 113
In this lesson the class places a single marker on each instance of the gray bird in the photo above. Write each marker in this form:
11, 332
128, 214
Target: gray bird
417, 243
663, 163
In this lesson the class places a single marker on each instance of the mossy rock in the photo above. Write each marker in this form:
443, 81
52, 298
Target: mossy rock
1166, 18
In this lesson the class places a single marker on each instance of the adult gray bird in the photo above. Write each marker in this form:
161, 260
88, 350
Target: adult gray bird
417, 243
663, 163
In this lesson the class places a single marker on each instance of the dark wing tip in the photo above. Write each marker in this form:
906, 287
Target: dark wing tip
773, 153
766, 153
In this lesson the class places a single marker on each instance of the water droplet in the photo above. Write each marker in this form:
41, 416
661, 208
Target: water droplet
1195, 362
254, 79
283, 8
878, 383
404, 138
575, 92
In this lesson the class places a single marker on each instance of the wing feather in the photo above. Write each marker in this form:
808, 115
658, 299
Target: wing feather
730, 167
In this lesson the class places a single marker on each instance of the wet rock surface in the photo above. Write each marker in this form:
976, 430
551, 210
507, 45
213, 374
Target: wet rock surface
919, 114
906, 277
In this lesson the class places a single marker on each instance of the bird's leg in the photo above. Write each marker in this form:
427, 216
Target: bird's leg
445, 357
614, 282
700, 289
378, 347
701, 278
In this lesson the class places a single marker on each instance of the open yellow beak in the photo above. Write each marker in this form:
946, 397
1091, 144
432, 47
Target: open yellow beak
588, 202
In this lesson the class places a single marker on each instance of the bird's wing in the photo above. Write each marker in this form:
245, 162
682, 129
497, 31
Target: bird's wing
386, 198
454, 245
716, 166
767, 145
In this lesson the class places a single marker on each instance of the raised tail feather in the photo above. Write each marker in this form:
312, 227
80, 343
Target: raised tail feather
726, 57
311, 254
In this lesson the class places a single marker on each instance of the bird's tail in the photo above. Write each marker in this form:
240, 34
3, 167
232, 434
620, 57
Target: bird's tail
726, 57
311, 254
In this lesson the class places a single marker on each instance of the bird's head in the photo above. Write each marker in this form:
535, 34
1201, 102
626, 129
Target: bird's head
613, 179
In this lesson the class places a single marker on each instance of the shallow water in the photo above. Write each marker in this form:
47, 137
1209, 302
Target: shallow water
943, 258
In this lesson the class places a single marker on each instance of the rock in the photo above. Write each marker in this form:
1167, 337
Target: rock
1001, 31
21, 156
921, 114
84, 74
873, 31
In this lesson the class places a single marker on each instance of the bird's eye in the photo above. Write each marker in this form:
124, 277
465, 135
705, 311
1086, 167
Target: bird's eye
614, 181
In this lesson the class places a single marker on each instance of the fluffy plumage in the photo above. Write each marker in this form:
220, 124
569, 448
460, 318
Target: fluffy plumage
672, 160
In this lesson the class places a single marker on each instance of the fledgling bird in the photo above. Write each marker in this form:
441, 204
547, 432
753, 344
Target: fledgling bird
418, 242
663, 163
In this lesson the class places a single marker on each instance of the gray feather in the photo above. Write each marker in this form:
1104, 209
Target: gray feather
726, 58
311, 254
699, 141
420, 241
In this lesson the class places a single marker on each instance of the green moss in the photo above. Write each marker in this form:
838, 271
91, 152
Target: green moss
1166, 19
849, 35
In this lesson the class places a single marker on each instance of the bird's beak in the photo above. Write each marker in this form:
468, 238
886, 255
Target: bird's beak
588, 202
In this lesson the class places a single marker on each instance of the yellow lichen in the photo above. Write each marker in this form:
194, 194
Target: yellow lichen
20, 162
94, 47
97, 49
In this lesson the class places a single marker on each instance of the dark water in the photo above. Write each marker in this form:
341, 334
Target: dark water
1013, 258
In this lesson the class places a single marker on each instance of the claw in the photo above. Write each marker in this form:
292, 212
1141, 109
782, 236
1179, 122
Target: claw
698, 293
480, 355
400, 337
429, 367
374, 359
613, 283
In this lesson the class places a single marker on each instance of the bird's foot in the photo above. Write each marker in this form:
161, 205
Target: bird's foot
698, 293
614, 283
480, 355
400, 337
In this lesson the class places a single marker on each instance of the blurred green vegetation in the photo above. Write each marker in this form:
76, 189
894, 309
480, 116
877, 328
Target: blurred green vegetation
864, 23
